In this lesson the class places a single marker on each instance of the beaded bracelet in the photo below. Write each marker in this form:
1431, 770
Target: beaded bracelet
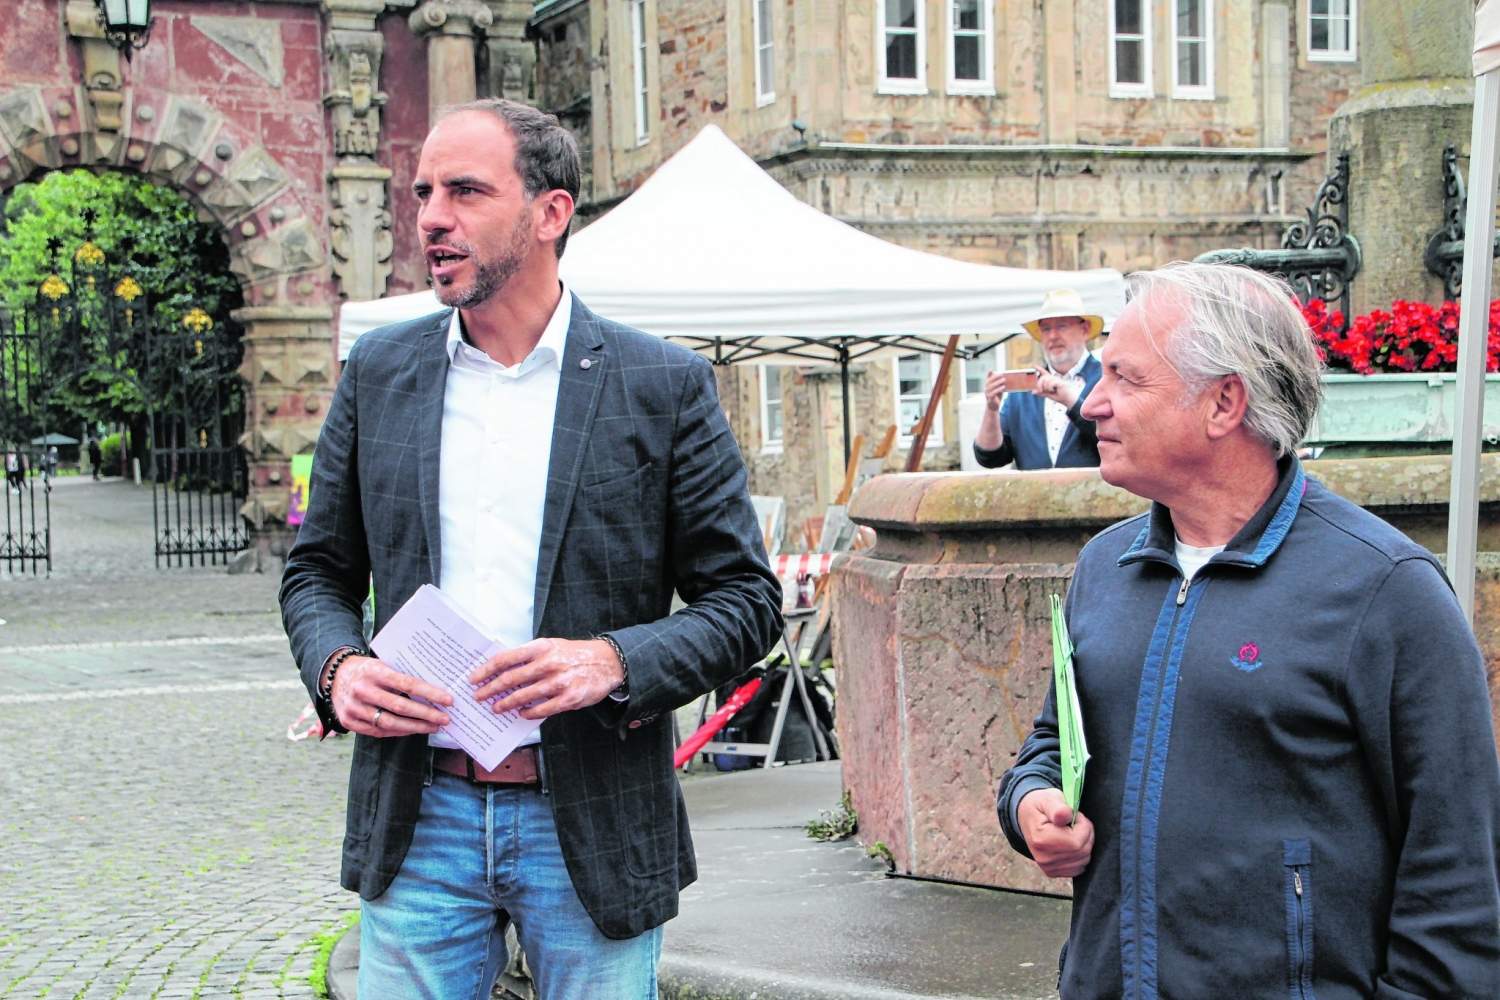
339, 656
623, 691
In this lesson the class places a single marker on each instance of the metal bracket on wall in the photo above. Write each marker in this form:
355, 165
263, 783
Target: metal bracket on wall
1444, 256
1319, 257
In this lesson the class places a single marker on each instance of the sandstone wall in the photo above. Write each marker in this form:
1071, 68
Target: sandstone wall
942, 637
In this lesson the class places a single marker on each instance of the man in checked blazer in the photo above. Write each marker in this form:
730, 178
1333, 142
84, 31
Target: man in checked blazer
559, 476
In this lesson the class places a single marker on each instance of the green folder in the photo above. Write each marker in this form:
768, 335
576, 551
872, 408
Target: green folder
1075, 750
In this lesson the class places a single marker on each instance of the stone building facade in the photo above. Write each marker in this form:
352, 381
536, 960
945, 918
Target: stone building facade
1116, 133
295, 126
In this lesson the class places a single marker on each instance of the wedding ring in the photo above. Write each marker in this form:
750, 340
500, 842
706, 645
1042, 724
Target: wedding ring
376, 721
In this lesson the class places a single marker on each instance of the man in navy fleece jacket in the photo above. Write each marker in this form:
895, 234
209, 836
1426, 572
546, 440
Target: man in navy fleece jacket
1294, 788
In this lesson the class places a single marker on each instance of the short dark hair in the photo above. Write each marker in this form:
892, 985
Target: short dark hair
546, 153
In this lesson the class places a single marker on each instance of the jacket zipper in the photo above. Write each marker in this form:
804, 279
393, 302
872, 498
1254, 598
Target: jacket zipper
1140, 806
1300, 969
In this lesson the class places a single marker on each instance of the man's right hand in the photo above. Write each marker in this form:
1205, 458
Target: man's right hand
994, 388
374, 699
1060, 850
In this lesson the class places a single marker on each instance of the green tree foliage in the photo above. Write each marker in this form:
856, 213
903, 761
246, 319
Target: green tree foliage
152, 234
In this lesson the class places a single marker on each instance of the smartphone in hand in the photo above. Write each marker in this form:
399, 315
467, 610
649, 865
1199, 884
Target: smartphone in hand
1020, 379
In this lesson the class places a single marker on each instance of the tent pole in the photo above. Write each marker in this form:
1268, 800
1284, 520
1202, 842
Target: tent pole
1473, 337
844, 385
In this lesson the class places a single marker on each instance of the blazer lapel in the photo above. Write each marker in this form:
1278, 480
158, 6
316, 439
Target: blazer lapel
432, 384
584, 366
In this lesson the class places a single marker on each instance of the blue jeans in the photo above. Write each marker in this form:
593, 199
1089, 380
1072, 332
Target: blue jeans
482, 853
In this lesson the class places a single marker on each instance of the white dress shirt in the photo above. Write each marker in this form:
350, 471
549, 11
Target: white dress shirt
1056, 414
496, 445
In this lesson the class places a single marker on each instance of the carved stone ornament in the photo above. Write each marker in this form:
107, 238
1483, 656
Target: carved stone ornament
101, 64
23, 117
255, 42
361, 231
291, 248
512, 67
356, 98
451, 17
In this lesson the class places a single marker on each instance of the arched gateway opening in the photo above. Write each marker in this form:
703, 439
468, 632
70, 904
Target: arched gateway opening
119, 350
229, 476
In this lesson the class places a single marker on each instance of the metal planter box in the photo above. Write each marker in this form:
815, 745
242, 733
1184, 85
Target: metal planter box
1395, 410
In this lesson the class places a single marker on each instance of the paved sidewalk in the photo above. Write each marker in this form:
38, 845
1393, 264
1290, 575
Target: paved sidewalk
776, 916
161, 836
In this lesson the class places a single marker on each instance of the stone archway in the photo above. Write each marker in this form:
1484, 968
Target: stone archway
276, 244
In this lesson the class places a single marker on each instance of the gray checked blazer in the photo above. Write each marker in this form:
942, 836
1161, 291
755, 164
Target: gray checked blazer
646, 494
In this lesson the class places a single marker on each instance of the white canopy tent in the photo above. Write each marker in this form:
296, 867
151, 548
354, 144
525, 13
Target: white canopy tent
710, 251
1473, 326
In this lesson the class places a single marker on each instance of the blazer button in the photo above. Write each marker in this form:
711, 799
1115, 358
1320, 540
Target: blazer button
634, 724
585, 363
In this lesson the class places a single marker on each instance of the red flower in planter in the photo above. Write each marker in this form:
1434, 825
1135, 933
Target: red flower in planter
1410, 337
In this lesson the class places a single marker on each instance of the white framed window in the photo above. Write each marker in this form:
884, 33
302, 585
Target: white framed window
902, 47
914, 377
969, 47
1192, 50
1129, 48
1331, 34
639, 88
765, 53
770, 408
977, 367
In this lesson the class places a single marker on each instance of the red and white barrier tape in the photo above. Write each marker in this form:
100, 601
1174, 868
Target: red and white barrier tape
811, 563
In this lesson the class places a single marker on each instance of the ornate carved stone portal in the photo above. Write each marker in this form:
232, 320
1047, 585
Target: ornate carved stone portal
360, 224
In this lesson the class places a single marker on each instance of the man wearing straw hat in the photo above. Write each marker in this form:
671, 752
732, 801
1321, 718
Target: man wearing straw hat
1039, 425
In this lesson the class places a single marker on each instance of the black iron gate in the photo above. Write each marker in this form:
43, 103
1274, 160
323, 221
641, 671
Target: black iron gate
199, 476
100, 334
26, 542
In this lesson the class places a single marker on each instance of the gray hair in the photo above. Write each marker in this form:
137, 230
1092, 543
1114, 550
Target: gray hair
546, 153
1247, 323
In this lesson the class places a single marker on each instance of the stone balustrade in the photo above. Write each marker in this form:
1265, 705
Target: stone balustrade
942, 636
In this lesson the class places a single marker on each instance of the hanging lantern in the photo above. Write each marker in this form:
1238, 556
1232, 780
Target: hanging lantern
127, 23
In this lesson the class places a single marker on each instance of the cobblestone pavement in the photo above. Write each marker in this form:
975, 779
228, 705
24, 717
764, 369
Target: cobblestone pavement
159, 835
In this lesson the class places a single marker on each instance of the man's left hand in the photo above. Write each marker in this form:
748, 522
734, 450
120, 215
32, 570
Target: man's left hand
546, 677
1058, 389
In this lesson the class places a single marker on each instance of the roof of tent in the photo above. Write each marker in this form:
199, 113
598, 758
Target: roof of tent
713, 252
1486, 38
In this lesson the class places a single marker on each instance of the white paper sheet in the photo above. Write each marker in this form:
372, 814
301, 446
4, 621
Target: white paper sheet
433, 639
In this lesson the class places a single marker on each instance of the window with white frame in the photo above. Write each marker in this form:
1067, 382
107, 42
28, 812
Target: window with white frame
969, 36
901, 45
1192, 50
638, 82
1129, 48
1331, 30
977, 367
914, 377
765, 53
770, 408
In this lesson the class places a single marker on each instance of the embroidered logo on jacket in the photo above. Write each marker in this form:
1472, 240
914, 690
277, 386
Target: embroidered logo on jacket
1248, 659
